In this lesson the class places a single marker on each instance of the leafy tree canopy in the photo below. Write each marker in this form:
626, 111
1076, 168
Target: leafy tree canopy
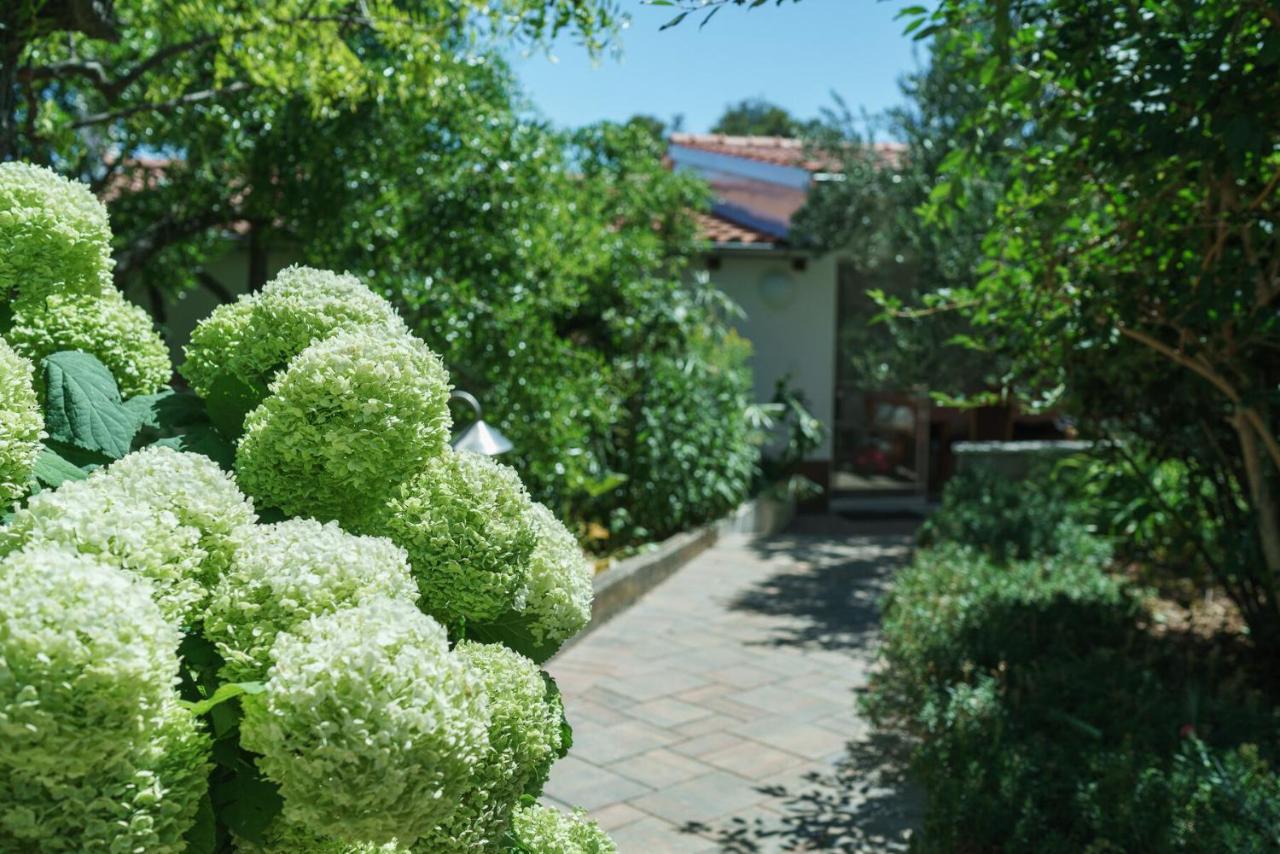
757, 117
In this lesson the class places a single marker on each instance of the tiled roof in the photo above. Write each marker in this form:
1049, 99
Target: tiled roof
778, 150
722, 231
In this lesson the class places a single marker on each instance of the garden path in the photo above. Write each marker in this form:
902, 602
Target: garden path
717, 714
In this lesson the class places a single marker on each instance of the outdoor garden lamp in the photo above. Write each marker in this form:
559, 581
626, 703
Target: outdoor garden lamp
479, 438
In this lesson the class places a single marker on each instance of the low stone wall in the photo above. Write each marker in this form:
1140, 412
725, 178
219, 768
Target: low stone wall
619, 586
1014, 460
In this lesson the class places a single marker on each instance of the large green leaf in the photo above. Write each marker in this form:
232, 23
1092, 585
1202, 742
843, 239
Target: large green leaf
52, 470
203, 440
83, 406
229, 401
512, 630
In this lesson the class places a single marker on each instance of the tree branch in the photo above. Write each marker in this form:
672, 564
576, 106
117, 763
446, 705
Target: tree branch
164, 106
1217, 380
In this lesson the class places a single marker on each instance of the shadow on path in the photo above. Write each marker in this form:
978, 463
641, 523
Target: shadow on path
837, 572
826, 595
864, 804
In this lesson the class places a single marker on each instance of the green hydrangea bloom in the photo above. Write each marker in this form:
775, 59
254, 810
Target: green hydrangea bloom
558, 596
255, 337
161, 514
283, 837
285, 573
144, 800
196, 490
465, 522
369, 725
21, 424
536, 829
525, 738
54, 235
350, 417
106, 325
87, 663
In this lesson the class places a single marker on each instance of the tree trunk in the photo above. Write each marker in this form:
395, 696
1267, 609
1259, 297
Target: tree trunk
257, 259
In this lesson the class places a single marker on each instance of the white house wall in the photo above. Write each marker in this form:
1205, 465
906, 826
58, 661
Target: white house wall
792, 327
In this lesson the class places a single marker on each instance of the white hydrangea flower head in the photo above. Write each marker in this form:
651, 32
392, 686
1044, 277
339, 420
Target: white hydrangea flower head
21, 424
255, 337
144, 800
197, 491
465, 522
106, 325
54, 235
559, 593
87, 662
525, 737
285, 573
543, 830
370, 726
350, 417
159, 514
283, 837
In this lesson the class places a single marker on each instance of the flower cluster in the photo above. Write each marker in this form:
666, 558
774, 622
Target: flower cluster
525, 737
369, 724
465, 522
252, 339
106, 325
21, 424
144, 799
159, 514
54, 235
87, 662
349, 418
558, 596
541, 830
285, 573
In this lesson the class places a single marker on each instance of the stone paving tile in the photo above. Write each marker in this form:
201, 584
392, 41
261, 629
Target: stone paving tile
582, 784
753, 761
701, 799
659, 768
605, 745
612, 817
652, 835
702, 712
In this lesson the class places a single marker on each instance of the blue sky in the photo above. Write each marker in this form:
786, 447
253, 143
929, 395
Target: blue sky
794, 55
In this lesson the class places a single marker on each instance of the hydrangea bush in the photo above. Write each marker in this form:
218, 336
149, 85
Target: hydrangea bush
276, 614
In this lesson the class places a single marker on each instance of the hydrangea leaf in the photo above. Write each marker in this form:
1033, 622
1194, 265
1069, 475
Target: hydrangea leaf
52, 470
202, 838
229, 400
225, 692
513, 630
205, 441
83, 406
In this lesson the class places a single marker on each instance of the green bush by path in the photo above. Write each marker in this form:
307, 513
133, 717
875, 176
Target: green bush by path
1050, 719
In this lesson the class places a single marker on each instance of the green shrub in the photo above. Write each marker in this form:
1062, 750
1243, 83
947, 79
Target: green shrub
1007, 519
1049, 719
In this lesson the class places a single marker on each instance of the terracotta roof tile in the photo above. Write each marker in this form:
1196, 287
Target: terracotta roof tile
778, 150
722, 231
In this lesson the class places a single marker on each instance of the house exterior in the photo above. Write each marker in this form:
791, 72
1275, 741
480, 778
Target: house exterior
790, 295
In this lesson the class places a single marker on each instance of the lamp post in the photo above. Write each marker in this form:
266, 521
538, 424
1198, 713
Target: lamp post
479, 438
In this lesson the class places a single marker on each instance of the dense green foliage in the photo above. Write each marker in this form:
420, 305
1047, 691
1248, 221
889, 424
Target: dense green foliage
536, 263
1008, 519
177, 677
1049, 713
1128, 272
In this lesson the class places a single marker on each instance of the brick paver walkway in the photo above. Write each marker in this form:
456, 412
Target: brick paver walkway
717, 714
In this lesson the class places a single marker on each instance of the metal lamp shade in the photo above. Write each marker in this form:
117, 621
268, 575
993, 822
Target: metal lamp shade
480, 438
